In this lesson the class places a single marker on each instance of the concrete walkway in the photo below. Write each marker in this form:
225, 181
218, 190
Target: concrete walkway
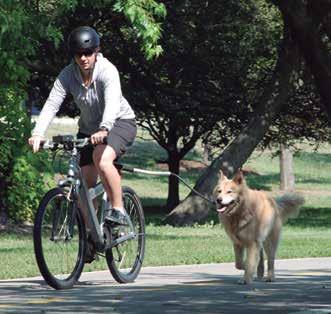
302, 286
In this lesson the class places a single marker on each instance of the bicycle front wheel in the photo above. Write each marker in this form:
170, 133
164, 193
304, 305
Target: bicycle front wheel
125, 260
59, 240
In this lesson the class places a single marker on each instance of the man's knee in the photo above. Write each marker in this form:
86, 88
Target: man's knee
103, 156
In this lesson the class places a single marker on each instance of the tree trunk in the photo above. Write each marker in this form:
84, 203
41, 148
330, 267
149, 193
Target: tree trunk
194, 208
287, 179
173, 186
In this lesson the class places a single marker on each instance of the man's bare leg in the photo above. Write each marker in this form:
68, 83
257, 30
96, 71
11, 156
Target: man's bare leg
104, 156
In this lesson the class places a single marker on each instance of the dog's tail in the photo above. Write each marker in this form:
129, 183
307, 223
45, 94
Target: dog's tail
289, 205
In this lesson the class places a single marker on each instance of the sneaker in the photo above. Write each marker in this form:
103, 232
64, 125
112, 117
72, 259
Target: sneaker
116, 217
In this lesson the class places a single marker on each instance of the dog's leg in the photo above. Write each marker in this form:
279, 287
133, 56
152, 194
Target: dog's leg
239, 255
260, 267
251, 262
270, 246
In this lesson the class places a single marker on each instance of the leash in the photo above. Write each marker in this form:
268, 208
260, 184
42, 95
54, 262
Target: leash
161, 173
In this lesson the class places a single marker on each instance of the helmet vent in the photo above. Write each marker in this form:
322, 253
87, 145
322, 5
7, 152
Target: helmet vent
82, 38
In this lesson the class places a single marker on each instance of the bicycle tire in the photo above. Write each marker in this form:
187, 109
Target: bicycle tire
125, 260
53, 233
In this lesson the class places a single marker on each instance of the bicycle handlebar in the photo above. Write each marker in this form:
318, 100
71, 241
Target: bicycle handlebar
67, 142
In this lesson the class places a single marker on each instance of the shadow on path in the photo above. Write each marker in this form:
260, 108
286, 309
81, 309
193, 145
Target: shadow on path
205, 293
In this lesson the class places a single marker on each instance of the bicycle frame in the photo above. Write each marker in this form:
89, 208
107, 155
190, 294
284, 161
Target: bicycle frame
80, 192
79, 189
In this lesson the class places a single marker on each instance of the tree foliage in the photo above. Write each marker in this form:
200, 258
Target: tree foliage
309, 23
271, 102
29, 31
308, 27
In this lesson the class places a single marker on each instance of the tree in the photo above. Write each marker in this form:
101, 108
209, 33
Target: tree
274, 98
308, 24
18, 37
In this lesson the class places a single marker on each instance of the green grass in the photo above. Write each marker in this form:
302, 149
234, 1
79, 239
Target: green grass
166, 245
306, 236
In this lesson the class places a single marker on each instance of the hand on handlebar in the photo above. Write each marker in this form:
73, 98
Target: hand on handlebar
98, 137
34, 142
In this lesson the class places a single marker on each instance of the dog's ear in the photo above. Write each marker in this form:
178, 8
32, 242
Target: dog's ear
222, 176
239, 177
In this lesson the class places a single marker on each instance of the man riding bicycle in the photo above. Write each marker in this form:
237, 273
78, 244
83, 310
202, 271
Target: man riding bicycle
94, 83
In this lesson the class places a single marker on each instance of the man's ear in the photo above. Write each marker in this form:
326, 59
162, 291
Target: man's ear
239, 177
222, 176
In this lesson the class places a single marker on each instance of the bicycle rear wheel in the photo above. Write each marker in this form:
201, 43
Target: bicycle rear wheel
125, 260
59, 240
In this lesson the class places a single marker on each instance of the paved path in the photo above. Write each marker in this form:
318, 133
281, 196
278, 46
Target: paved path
303, 286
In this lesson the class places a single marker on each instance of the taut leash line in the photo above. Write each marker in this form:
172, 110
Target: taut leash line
161, 173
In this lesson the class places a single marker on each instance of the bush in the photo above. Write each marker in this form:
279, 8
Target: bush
21, 179
14, 125
30, 178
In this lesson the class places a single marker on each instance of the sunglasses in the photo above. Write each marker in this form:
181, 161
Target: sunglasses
86, 53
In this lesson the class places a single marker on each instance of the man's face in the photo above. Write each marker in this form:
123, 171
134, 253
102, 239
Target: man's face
85, 59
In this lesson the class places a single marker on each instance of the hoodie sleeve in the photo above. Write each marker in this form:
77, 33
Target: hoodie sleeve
112, 96
52, 104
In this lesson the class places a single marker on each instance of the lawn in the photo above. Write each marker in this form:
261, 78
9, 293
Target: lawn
306, 236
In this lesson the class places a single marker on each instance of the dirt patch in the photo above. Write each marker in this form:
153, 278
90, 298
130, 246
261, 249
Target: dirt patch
185, 165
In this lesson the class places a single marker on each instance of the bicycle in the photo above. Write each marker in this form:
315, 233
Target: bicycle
60, 235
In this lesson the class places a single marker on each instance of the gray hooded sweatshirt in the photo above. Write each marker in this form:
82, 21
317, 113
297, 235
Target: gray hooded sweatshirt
100, 104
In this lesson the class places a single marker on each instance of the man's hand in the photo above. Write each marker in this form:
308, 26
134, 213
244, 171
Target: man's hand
34, 142
97, 138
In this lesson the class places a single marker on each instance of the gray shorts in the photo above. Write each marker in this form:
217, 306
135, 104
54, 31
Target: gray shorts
120, 137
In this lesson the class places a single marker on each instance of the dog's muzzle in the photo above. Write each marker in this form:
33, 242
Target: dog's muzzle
225, 208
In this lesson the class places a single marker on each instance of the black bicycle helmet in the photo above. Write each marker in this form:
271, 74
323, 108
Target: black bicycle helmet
83, 37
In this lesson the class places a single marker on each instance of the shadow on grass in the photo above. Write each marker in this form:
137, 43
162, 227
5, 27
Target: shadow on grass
311, 181
262, 182
317, 217
314, 157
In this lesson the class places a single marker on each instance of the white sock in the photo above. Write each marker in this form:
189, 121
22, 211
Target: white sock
120, 209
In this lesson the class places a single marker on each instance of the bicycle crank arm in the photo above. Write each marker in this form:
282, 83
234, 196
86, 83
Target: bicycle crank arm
123, 239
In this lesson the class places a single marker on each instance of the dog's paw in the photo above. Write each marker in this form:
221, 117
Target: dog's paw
244, 281
270, 279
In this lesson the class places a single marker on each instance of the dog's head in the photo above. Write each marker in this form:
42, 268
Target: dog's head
227, 193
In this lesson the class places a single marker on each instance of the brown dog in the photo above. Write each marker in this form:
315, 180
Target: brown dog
253, 221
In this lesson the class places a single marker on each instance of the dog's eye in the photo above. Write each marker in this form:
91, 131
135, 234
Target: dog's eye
220, 191
230, 191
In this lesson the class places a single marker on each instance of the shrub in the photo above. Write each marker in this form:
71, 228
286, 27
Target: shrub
21, 179
29, 180
14, 125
